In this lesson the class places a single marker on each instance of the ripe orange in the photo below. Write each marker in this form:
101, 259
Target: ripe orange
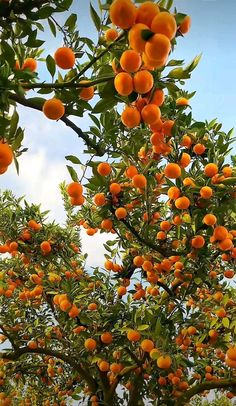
115, 188
123, 13
199, 149
104, 169
130, 61
182, 203
164, 362
220, 233
90, 344
167, 127
185, 25
138, 261
107, 224
123, 83
188, 182
65, 305
151, 114
135, 38
158, 97
6, 155
231, 353
131, 117
158, 47
186, 141
172, 171
74, 311
77, 201
133, 335
165, 225
164, 23
121, 213
115, 368
86, 93
106, 338
64, 58
111, 34
74, 189
151, 64
46, 247
173, 193
131, 171
143, 81
211, 170
92, 306
182, 101
198, 241
227, 171
104, 366
30, 63
99, 199
147, 345
53, 109
139, 181
184, 160
209, 219
121, 290
226, 244
3, 169
146, 13
32, 345
221, 312
206, 192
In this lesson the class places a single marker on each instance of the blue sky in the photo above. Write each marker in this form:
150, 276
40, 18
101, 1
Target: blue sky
213, 33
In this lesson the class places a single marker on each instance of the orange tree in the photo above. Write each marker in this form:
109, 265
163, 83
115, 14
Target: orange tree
156, 320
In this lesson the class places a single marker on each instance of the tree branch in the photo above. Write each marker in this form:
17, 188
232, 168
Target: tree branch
8, 336
45, 351
66, 85
201, 387
20, 8
90, 143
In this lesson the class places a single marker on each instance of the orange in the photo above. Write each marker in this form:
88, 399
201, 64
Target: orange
115, 368
158, 47
199, 149
123, 83
209, 219
74, 189
46, 247
198, 241
188, 182
3, 169
173, 193
92, 306
34, 225
164, 23
220, 233
107, 224
158, 97
165, 225
139, 181
65, 305
156, 138
135, 38
167, 127
182, 203
86, 93
182, 101
146, 13
172, 171
192, 330
131, 117
53, 109
206, 192
90, 344
186, 141
106, 338
131, 171
211, 170
115, 188
99, 199
138, 261
143, 81
231, 363
111, 34
121, 213
104, 366
6, 155
147, 345
77, 201
31, 64
185, 25
231, 353
64, 58
104, 169
164, 362
147, 266
221, 312
133, 335
121, 290
151, 114
130, 61
227, 171
123, 13
32, 345
226, 244
184, 160
150, 63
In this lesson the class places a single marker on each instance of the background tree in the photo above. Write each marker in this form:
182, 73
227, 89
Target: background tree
156, 320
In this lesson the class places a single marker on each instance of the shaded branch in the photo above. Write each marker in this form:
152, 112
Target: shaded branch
201, 387
45, 351
90, 143
66, 85
8, 336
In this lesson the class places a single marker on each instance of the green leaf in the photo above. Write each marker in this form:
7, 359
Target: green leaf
8, 53
72, 173
95, 17
146, 34
103, 105
18, 139
179, 18
178, 73
73, 159
71, 21
175, 62
225, 322
37, 101
52, 27
143, 327
193, 64
51, 66
14, 123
